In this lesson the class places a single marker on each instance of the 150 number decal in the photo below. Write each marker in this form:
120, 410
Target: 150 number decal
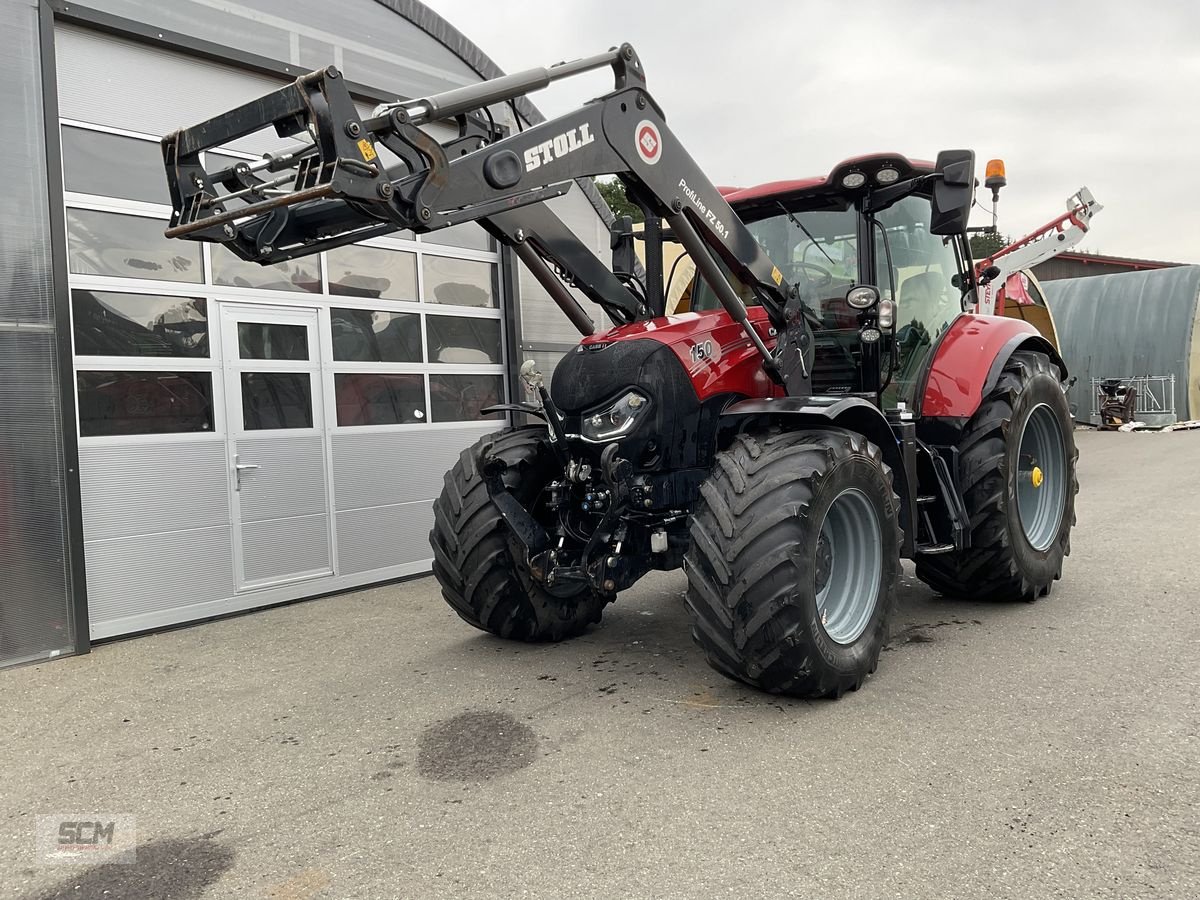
702, 351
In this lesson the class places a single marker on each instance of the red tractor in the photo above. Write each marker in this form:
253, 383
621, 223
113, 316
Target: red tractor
824, 408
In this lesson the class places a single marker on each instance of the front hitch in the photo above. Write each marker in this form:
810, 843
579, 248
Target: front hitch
525, 527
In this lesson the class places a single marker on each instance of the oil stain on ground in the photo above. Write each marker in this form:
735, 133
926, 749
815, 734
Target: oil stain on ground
170, 869
475, 746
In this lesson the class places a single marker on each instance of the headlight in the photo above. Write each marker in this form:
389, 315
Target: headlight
852, 180
612, 421
862, 296
887, 175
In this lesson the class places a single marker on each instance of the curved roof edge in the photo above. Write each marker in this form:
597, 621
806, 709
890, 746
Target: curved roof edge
461, 46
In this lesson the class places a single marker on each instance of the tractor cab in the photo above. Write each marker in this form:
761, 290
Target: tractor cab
870, 222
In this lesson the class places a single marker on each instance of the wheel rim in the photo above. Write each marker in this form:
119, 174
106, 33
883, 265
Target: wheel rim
849, 560
1041, 477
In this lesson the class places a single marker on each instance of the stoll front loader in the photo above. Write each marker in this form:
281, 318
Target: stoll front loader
826, 407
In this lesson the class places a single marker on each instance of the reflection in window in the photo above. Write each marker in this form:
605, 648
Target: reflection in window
291, 275
458, 339
462, 282
95, 162
118, 403
460, 397
112, 324
468, 235
372, 272
271, 340
369, 398
276, 400
102, 243
367, 335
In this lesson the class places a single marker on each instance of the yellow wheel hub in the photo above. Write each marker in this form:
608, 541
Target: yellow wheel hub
1037, 477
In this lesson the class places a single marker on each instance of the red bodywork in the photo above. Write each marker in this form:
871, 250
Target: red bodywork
713, 348
720, 359
963, 361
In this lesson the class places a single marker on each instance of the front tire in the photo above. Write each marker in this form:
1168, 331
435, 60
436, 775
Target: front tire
1017, 469
793, 562
478, 562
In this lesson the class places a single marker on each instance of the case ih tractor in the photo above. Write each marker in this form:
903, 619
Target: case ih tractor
825, 408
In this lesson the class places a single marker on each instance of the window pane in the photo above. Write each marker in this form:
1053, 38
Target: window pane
460, 397
113, 166
111, 324
367, 398
267, 340
458, 339
468, 235
372, 272
462, 282
276, 400
144, 402
101, 243
373, 336
292, 275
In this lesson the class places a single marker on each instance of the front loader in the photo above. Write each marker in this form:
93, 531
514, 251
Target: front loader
825, 408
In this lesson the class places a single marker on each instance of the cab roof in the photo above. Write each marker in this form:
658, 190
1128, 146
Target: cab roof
774, 191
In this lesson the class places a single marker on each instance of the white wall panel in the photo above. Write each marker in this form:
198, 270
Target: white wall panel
383, 536
162, 486
152, 573
379, 468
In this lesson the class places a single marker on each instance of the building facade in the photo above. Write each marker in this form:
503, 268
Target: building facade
188, 435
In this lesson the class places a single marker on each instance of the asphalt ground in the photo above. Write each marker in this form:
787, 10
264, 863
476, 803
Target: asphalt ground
370, 745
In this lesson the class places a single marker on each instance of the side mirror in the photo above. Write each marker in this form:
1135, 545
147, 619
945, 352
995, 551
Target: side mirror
988, 274
953, 191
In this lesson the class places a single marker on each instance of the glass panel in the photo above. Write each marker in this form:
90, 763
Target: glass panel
369, 398
102, 243
468, 235
269, 340
460, 397
95, 162
459, 339
292, 275
924, 266
373, 336
144, 402
111, 324
276, 400
372, 272
462, 282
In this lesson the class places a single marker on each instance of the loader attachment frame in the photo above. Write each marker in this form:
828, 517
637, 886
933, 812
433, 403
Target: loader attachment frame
341, 191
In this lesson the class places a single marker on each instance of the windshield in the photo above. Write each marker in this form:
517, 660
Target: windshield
818, 251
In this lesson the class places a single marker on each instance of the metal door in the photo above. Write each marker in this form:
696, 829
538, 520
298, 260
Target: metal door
276, 443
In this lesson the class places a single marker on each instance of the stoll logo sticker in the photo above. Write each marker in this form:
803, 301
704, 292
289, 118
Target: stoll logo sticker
649, 142
86, 837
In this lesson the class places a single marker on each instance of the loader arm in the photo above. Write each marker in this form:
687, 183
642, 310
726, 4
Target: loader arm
342, 192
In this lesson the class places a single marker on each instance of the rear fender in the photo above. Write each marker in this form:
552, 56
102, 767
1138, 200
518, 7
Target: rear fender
969, 359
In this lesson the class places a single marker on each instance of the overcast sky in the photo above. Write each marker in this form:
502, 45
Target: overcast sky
1103, 94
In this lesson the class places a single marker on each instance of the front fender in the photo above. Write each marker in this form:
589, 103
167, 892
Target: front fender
969, 359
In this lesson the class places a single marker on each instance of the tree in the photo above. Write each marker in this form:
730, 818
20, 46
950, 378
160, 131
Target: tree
613, 192
985, 243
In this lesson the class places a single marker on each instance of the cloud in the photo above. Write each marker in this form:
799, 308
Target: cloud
1069, 93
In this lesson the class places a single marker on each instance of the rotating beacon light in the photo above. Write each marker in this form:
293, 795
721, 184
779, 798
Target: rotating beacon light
994, 179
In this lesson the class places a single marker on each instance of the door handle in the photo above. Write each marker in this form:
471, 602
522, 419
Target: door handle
238, 469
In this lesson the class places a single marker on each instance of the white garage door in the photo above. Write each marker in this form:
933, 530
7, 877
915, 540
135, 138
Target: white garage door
249, 435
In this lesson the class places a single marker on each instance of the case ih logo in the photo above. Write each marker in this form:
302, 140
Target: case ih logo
649, 142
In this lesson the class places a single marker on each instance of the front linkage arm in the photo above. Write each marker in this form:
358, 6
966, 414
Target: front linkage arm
342, 192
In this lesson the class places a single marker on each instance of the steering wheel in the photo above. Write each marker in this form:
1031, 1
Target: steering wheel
824, 276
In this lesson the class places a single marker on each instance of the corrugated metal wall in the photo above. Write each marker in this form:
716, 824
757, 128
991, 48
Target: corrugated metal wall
35, 608
1136, 323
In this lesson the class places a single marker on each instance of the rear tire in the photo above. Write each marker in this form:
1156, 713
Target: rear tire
1020, 533
479, 563
793, 561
